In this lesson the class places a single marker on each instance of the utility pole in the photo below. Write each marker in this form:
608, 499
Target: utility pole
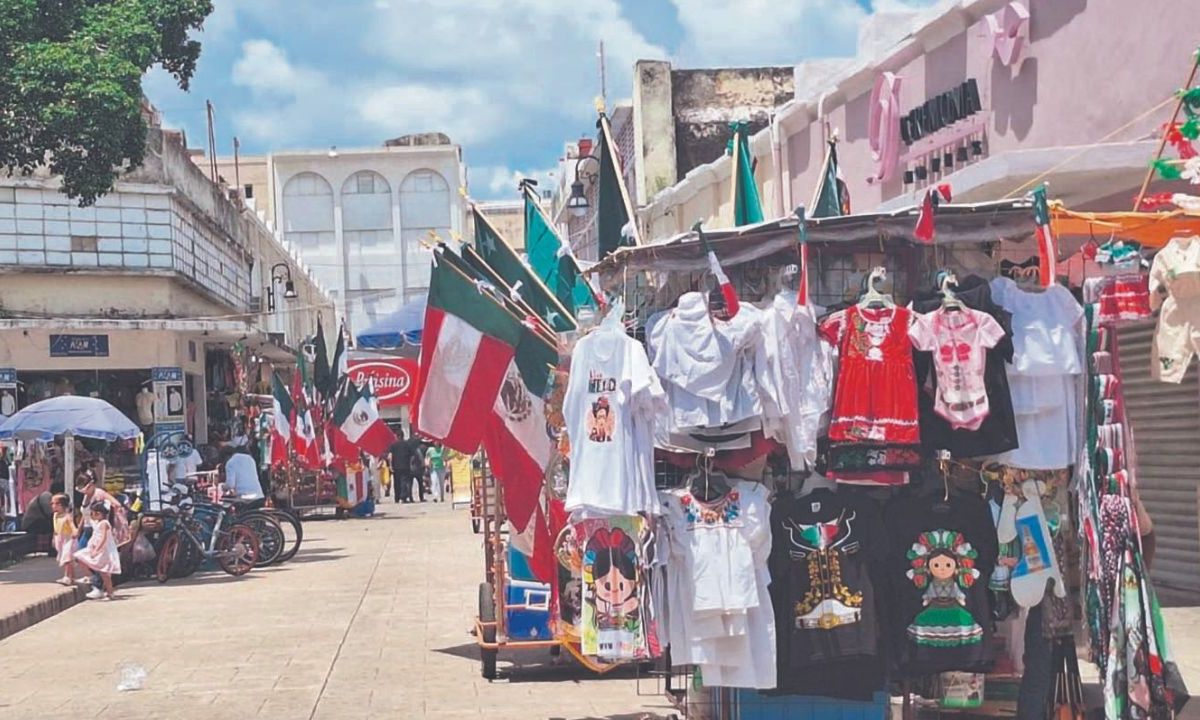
212, 141
237, 172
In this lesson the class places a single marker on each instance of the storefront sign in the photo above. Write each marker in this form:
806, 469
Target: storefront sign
393, 378
941, 111
78, 346
8, 391
169, 399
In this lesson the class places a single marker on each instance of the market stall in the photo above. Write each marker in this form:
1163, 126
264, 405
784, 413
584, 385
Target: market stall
821, 461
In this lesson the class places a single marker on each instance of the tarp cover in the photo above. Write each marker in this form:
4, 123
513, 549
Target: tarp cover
401, 328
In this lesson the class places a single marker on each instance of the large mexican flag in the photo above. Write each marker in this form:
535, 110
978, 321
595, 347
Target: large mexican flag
517, 440
468, 342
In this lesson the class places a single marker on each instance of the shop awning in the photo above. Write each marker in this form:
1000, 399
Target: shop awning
1150, 229
398, 330
956, 223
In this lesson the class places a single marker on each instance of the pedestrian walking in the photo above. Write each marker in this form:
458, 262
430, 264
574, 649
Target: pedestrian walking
435, 462
402, 478
101, 556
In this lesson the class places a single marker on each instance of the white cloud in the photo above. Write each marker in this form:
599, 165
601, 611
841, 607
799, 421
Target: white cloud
502, 181
768, 32
265, 69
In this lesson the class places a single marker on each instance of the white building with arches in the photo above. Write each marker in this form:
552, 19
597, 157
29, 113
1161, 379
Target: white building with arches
361, 220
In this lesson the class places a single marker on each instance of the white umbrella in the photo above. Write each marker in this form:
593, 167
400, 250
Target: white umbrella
71, 416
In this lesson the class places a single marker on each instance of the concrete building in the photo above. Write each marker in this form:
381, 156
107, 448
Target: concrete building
508, 217
165, 271
360, 218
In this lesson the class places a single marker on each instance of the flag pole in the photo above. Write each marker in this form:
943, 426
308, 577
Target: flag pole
606, 129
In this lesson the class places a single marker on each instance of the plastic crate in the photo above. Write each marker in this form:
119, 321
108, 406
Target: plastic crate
752, 705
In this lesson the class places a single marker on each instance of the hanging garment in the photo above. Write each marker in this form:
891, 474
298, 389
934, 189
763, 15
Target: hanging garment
942, 554
1119, 297
874, 424
719, 613
1046, 370
611, 401
959, 340
1175, 292
797, 378
828, 553
615, 587
998, 431
708, 368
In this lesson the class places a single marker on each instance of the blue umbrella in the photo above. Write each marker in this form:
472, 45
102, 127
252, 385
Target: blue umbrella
397, 330
80, 416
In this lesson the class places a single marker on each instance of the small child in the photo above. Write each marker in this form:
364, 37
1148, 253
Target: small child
64, 538
100, 556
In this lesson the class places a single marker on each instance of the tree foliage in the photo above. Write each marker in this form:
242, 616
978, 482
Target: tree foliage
70, 82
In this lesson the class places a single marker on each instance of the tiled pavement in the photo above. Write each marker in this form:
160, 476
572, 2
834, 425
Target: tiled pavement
370, 621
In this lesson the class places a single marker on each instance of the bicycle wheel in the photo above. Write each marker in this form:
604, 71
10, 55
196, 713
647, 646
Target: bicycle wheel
293, 533
237, 550
167, 551
270, 536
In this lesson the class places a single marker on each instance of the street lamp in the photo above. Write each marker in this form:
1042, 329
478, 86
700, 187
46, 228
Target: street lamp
289, 287
578, 203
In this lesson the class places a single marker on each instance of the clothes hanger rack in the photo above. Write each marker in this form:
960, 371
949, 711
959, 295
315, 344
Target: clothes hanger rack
947, 280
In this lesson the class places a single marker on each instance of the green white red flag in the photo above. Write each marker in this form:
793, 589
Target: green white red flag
357, 424
1047, 248
282, 409
469, 341
517, 438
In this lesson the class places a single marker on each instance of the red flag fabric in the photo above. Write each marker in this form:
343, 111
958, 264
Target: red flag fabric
934, 196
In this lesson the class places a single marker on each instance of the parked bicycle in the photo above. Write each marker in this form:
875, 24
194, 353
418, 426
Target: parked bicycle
280, 530
233, 545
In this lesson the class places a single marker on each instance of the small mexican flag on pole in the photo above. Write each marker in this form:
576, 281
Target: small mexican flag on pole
728, 291
281, 429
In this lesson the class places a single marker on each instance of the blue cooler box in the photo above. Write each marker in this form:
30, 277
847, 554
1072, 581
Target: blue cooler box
527, 610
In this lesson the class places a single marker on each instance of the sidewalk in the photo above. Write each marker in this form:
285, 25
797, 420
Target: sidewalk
29, 595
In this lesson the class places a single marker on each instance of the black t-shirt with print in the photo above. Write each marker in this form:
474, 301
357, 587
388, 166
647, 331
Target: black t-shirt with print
827, 555
998, 432
940, 556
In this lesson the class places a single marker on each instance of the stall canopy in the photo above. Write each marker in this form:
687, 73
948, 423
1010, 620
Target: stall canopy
1008, 220
69, 414
401, 329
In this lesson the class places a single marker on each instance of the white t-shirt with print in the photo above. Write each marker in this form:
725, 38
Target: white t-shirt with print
611, 399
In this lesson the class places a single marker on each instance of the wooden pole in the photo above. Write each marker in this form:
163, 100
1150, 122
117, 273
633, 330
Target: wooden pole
1162, 143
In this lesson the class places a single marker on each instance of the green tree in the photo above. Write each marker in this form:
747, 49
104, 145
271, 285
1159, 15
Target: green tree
71, 82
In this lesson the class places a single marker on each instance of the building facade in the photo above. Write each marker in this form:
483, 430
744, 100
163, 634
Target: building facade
363, 221
164, 271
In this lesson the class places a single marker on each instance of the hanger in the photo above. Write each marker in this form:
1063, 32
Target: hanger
615, 318
943, 505
872, 298
946, 280
705, 484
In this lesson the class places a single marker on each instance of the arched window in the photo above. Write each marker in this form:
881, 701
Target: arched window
372, 262
308, 225
424, 206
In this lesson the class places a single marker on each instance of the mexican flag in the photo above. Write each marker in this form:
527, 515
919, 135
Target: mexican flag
747, 205
524, 285
831, 198
469, 342
517, 438
352, 488
552, 259
322, 377
357, 425
281, 429
728, 291
306, 435
1047, 248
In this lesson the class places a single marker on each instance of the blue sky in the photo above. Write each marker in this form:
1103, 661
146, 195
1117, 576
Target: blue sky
510, 80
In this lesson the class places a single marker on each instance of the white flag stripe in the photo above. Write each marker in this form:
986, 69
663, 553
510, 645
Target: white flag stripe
449, 369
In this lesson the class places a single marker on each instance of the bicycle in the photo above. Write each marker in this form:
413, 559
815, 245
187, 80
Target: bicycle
276, 526
233, 545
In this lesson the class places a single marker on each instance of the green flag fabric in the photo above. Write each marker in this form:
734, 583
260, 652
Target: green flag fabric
747, 205
549, 258
501, 258
614, 225
830, 200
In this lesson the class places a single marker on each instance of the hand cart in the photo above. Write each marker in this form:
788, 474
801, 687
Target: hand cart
503, 622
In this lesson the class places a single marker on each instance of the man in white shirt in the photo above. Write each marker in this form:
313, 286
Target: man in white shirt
241, 476
185, 465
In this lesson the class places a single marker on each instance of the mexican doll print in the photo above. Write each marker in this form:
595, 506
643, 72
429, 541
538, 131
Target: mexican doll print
943, 565
613, 623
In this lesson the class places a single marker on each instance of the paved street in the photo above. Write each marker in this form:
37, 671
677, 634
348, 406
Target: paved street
370, 621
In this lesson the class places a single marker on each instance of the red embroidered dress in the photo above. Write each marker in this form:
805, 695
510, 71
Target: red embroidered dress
874, 424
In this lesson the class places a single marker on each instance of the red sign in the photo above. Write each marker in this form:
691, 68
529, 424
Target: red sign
394, 378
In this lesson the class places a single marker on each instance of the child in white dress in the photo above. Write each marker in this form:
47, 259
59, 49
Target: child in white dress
100, 555
64, 538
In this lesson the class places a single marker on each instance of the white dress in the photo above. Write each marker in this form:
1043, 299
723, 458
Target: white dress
1045, 374
719, 613
101, 553
611, 399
